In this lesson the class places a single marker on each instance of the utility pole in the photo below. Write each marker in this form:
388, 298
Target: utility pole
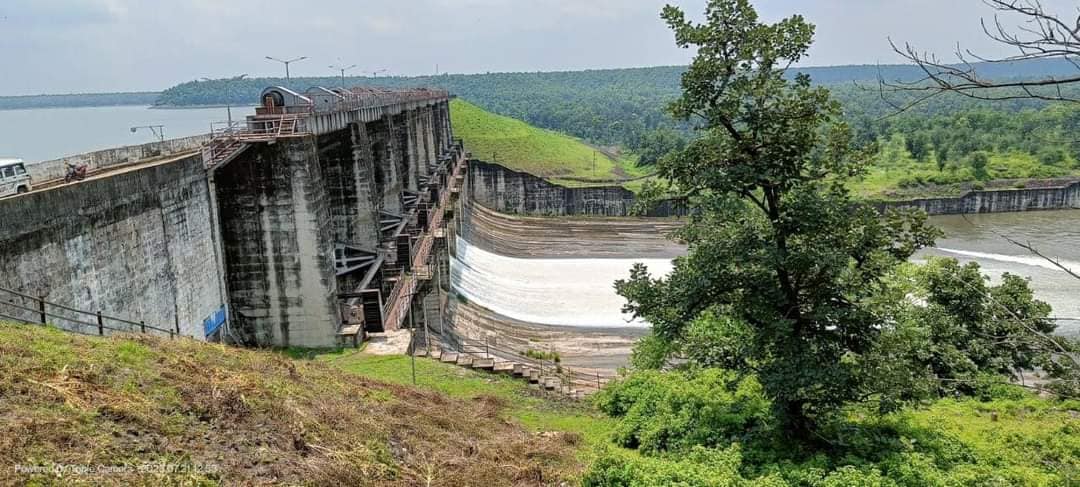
287, 63
228, 95
343, 69
412, 338
375, 74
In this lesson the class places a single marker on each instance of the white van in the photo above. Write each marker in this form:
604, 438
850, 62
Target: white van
13, 177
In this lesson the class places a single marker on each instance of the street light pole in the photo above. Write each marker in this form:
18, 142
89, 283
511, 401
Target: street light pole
287, 63
157, 130
375, 74
228, 95
343, 69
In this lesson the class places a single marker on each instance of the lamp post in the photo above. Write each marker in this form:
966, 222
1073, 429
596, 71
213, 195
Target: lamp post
228, 95
287, 63
157, 130
375, 74
342, 69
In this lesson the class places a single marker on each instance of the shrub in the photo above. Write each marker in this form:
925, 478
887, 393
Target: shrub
550, 356
699, 467
677, 410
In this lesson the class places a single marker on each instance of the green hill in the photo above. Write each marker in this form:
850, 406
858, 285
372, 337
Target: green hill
552, 155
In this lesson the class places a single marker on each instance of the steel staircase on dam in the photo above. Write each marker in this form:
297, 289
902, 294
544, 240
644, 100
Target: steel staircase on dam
229, 141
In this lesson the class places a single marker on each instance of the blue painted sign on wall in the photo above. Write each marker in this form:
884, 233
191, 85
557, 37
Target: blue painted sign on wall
211, 324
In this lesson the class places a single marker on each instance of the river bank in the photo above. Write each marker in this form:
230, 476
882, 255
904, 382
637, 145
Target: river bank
1004, 196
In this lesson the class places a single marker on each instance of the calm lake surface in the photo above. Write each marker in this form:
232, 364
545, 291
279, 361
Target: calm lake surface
1055, 233
50, 133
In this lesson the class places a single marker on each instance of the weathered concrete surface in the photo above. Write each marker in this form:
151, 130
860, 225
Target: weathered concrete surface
137, 244
521, 193
568, 236
102, 159
996, 201
171, 243
278, 237
285, 208
597, 348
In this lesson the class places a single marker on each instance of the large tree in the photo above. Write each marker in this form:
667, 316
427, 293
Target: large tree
779, 253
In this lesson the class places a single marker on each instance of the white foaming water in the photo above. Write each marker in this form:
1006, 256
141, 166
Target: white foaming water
567, 292
1028, 260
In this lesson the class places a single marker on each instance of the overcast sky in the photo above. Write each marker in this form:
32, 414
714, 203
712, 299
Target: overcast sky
64, 46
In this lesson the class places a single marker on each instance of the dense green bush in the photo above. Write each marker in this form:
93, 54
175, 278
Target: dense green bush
1012, 438
677, 410
698, 467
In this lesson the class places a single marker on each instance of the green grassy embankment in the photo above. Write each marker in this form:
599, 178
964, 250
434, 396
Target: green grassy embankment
557, 157
896, 175
150, 411
193, 413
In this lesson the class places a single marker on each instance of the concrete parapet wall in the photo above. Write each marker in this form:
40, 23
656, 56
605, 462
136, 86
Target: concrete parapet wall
137, 245
57, 168
996, 201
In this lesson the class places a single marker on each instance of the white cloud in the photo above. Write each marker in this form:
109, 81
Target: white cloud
95, 45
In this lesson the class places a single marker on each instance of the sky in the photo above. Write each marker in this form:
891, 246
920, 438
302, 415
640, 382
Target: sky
79, 46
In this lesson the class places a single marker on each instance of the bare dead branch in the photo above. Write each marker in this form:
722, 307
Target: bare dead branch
1038, 34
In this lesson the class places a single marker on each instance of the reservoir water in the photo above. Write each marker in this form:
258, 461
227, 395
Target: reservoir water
50, 133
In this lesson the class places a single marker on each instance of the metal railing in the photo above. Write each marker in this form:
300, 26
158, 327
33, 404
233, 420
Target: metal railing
23, 308
361, 98
396, 307
357, 99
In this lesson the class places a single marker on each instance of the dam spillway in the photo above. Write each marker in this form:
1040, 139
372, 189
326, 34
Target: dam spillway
548, 282
557, 271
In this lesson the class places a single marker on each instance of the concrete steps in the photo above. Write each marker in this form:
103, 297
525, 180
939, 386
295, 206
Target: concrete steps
544, 381
484, 364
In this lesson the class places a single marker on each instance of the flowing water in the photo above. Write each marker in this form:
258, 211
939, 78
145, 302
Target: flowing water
579, 292
549, 291
1056, 234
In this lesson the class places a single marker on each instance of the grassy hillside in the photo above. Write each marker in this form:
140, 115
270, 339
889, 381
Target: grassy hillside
218, 415
148, 411
520, 146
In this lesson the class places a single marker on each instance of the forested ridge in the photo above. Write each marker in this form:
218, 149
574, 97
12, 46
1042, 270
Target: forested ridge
77, 100
949, 141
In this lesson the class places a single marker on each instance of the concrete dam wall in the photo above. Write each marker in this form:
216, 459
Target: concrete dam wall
311, 222
520, 193
138, 244
1062, 197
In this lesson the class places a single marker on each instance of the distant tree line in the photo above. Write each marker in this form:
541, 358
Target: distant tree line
627, 107
77, 100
